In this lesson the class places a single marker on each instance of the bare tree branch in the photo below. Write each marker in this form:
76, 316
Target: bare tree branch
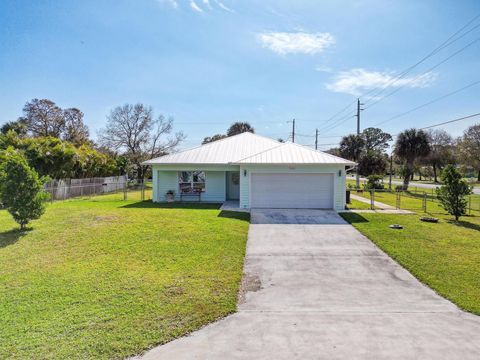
132, 130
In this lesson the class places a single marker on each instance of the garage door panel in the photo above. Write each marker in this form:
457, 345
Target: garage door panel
276, 190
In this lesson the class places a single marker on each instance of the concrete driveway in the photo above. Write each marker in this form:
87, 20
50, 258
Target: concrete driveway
315, 288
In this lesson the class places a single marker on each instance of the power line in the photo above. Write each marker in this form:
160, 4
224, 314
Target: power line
442, 46
451, 121
424, 73
428, 103
339, 112
450, 40
337, 122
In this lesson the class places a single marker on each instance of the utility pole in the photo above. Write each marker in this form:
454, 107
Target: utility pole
293, 129
316, 139
359, 109
358, 115
391, 169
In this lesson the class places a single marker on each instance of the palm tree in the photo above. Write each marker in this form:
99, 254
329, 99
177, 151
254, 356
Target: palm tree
411, 145
351, 147
239, 127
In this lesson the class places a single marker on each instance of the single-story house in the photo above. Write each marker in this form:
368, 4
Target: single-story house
254, 170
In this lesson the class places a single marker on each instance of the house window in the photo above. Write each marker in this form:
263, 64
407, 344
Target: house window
189, 181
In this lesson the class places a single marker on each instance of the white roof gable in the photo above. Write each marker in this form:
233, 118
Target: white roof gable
248, 148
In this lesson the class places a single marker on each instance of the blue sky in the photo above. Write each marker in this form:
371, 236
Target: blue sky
210, 63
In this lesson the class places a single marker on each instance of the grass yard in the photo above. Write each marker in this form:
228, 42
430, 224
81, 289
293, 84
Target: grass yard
413, 201
358, 205
445, 256
109, 279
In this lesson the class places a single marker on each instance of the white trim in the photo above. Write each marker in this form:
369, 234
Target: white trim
191, 182
291, 173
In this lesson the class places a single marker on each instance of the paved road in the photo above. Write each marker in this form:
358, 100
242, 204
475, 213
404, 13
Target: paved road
315, 288
476, 190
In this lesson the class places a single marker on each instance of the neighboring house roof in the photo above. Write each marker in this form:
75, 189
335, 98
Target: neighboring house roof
248, 148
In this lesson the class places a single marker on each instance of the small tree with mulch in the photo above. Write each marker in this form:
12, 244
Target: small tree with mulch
20, 188
452, 194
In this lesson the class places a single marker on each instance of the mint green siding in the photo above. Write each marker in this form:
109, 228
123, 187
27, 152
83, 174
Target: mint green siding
164, 180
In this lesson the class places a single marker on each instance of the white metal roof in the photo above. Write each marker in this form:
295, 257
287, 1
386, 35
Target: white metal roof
248, 148
290, 153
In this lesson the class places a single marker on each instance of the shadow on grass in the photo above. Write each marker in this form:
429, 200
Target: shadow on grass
244, 216
148, 204
465, 224
10, 237
353, 218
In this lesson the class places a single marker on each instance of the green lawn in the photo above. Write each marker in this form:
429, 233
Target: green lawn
445, 256
358, 205
413, 201
103, 278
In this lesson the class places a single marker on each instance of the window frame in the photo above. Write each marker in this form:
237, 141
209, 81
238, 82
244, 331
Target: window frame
191, 180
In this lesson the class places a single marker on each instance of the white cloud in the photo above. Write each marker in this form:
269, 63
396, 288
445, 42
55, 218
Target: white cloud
194, 6
296, 42
198, 6
356, 81
323, 68
223, 6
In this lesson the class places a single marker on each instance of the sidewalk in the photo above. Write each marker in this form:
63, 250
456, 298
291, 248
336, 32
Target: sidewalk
379, 207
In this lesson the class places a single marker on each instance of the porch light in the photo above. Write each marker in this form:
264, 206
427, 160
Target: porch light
339, 172
244, 172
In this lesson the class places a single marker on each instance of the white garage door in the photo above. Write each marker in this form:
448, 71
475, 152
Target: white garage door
314, 191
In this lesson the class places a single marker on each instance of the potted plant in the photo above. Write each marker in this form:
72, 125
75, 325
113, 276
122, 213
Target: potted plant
170, 195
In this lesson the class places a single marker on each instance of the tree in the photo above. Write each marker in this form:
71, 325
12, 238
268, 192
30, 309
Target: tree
58, 159
43, 118
452, 194
133, 130
469, 146
50, 156
441, 144
21, 189
351, 147
411, 145
19, 127
373, 162
75, 130
239, 127
213, 138
334, 151
375, 139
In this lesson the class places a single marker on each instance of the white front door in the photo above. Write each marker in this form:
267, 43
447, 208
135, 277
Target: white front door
282, 191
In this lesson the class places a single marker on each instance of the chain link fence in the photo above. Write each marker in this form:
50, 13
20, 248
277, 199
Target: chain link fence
114, 188
415, 199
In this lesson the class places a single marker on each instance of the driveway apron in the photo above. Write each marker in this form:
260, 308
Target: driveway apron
315, 288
